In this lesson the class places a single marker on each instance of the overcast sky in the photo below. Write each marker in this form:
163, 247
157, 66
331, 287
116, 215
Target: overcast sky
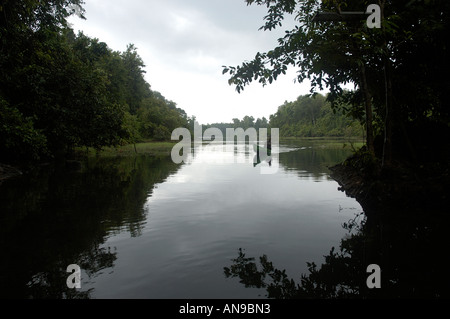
184, 44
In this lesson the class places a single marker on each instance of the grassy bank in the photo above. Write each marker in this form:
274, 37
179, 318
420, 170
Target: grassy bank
147, 148
352, 143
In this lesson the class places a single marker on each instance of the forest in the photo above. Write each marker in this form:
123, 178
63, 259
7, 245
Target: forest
308, 116
60, 91
313, 117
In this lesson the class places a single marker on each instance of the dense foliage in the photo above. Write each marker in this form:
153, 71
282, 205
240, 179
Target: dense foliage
59, 91
313, 117
308, 116
400, 70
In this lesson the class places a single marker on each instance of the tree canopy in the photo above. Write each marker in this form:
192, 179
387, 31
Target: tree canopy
313, 117
59, 90
399, 71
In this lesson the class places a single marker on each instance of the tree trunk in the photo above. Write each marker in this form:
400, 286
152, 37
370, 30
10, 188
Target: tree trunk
368, 107
387, 145
389, 114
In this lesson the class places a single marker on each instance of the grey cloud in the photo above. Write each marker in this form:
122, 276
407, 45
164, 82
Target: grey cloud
218, 28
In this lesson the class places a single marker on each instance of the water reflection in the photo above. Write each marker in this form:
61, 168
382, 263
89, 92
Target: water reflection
307, 160
409, 248
261, 155
64, 218
146, 227
311, 162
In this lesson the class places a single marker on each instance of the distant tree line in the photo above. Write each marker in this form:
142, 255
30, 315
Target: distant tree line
60, 91
308, 116
313, 117
246, 122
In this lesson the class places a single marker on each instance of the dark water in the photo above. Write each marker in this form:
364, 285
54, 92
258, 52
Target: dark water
145, 227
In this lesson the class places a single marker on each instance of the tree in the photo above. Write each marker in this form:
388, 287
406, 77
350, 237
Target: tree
381, 63
313, 116
59, 91
248, 121
136, 87
131, 127
159, 117
324, 54
19, 133
31, 52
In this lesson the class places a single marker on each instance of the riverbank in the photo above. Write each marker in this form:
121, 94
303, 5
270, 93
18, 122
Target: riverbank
402, 187
150, 148
353, 144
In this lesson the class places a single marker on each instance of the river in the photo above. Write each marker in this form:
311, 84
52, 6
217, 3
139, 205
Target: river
145, 227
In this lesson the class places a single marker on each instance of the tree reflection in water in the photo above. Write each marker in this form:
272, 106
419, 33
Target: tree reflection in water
53, 218
52, 284
408, 248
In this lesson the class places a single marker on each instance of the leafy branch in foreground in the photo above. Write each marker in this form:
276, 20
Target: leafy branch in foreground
395, 69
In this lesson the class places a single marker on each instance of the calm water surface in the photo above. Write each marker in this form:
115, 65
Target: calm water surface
145, 227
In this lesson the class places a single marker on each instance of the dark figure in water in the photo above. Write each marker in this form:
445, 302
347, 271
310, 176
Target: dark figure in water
269, 147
